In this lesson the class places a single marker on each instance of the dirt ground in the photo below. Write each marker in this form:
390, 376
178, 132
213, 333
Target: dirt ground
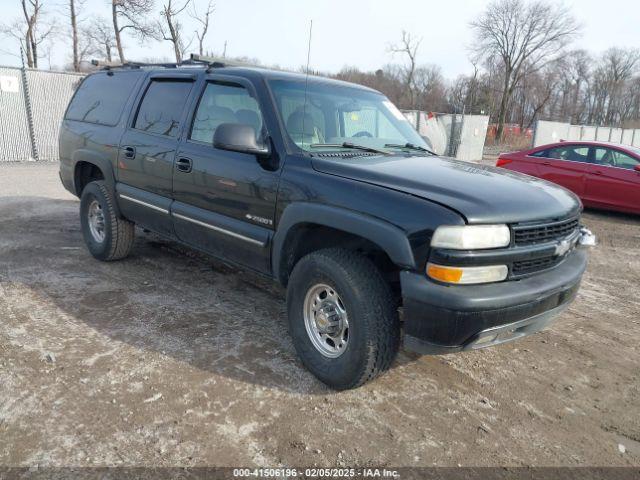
170, 358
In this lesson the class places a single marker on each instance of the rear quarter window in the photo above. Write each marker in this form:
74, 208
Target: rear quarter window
101, 98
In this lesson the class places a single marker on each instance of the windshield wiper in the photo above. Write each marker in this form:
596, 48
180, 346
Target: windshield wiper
354, 146
410, 146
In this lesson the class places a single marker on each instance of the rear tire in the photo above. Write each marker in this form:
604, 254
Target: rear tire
108, 237
328, 290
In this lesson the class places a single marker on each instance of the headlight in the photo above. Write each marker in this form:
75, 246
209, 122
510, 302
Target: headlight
471, 237
467, 275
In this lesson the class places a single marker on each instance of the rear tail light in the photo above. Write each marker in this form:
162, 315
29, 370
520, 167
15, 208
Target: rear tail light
503, 161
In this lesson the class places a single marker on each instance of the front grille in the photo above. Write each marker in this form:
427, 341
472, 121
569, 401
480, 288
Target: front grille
548, 232
530, 266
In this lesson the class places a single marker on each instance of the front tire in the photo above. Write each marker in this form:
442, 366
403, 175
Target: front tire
107, 236
342, 318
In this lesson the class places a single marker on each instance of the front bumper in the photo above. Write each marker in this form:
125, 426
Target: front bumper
442, 318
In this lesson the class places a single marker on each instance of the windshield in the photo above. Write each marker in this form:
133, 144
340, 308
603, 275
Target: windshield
336, 117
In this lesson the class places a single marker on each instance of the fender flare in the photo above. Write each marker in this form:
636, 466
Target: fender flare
103, 163
388, 237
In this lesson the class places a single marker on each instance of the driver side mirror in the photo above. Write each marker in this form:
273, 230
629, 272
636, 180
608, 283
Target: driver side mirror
237, 137
637, 168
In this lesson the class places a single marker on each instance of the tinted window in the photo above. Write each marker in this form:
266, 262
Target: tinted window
614, 158
572, 153
161, 108
224, 103
101, 98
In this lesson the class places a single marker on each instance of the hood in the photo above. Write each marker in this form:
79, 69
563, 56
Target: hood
482, 194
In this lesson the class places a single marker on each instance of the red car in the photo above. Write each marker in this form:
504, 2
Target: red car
604, 175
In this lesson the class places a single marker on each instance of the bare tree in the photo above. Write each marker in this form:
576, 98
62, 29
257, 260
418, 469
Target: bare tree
100, 33
31, 10
73, 17
430, 88
170, 28
17, 31
203, 20
409, 47
31, 30
519, 34
618, 67
130, 15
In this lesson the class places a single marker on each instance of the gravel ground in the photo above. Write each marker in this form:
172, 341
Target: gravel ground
169, 358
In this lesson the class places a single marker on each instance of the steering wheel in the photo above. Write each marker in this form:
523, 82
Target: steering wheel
362, 133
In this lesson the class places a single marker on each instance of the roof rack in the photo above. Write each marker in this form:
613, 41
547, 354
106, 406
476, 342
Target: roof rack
194, 60
218, 62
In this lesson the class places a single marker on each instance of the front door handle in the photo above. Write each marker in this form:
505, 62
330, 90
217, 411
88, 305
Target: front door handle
597, 172
129, 152
184, 164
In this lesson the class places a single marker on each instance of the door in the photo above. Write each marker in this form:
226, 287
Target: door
147, 151
612, 181
225, 201
566, 166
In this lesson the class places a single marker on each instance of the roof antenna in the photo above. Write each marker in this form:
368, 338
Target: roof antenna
306, 80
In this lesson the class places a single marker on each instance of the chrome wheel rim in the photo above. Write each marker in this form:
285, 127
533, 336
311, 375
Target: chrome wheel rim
96, 221
326, 322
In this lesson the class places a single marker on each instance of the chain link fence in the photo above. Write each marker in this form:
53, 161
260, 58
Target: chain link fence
32, 104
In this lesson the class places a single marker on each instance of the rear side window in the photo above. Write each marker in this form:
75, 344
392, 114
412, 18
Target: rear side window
571, 153
161, 108
541, 154
101, 98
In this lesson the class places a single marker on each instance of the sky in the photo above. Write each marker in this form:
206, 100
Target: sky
345, 32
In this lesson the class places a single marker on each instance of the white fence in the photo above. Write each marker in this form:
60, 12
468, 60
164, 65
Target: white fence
32, 104
550, 132
458, 136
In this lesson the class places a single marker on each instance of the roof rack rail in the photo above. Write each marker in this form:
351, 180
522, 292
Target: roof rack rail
194, 60
218, 62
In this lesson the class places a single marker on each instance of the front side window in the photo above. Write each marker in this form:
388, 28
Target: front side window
225, 103
571, 153
323, 115
161, 108
614, 158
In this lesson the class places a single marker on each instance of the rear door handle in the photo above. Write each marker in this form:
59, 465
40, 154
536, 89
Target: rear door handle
184, 164
546, 163
129, 152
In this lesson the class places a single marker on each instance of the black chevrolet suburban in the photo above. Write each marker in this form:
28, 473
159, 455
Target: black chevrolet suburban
324, 186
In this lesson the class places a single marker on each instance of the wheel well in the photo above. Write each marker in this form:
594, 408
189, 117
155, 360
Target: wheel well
85, 173
306, 238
